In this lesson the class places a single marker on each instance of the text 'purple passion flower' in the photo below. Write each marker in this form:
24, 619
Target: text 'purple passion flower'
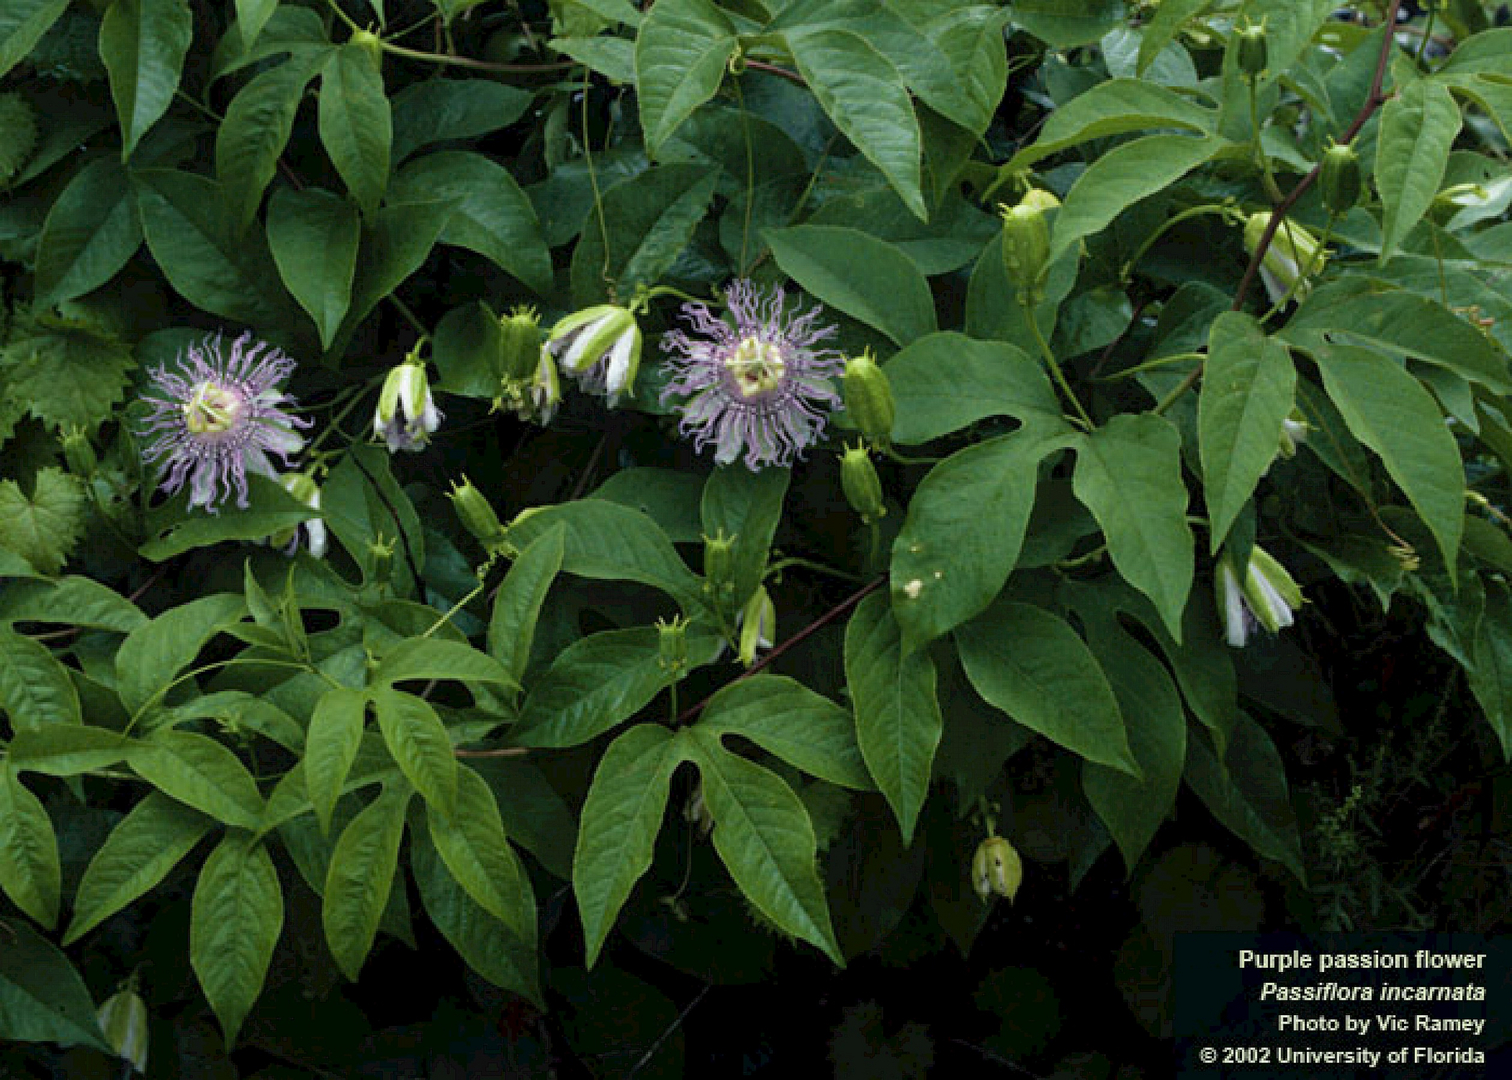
759, 387
219, 417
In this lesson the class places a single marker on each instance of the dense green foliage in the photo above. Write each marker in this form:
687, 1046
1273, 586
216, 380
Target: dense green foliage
1146, 376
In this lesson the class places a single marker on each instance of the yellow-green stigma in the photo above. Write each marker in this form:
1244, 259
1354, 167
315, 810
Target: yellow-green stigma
756, 367
212, 409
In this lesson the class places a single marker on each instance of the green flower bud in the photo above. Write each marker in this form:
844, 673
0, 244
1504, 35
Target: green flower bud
1265, 598
303, 487
371, 44
1339, 178
863, 489
519, 344
696, 812
381, 558
757, 622
719, 561
1253, 55
996, 869
477, 515
672, 644
1026, 249
1040, 199
1294, 431
123, 1021
869, 397
1292, 251
79, 453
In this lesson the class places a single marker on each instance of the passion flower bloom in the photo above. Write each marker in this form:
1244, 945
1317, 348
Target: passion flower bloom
759, 387
219, 417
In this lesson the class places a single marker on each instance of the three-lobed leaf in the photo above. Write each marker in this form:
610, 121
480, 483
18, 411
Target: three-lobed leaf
786, 718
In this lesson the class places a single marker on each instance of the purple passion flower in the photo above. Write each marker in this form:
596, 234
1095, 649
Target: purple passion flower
219, 417
759, 387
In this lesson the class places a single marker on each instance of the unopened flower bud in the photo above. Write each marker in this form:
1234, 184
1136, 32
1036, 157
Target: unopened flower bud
302, 487
719, 562
696, 812
123, 1022
863, 489
869, 397
672, 644
1251, 46
1265, 598
381, 558
1293, 252
996, 869
477, 515
1040, 199
1339, 178
545, 389
1294, 431
371, 44
757, 622
406, 416
519, 344
1026, 249
600, 347
79, 453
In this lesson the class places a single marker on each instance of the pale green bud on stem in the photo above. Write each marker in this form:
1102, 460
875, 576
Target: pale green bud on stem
477, 515
996, 869
869, 398
757, 623
1293, 253
1026, 250
79, 453
672, 644
1265, 598
859, 480
124, 1023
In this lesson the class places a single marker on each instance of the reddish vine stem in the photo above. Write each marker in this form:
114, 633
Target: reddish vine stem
773, 69
1373, 102
498, 751
828, 617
